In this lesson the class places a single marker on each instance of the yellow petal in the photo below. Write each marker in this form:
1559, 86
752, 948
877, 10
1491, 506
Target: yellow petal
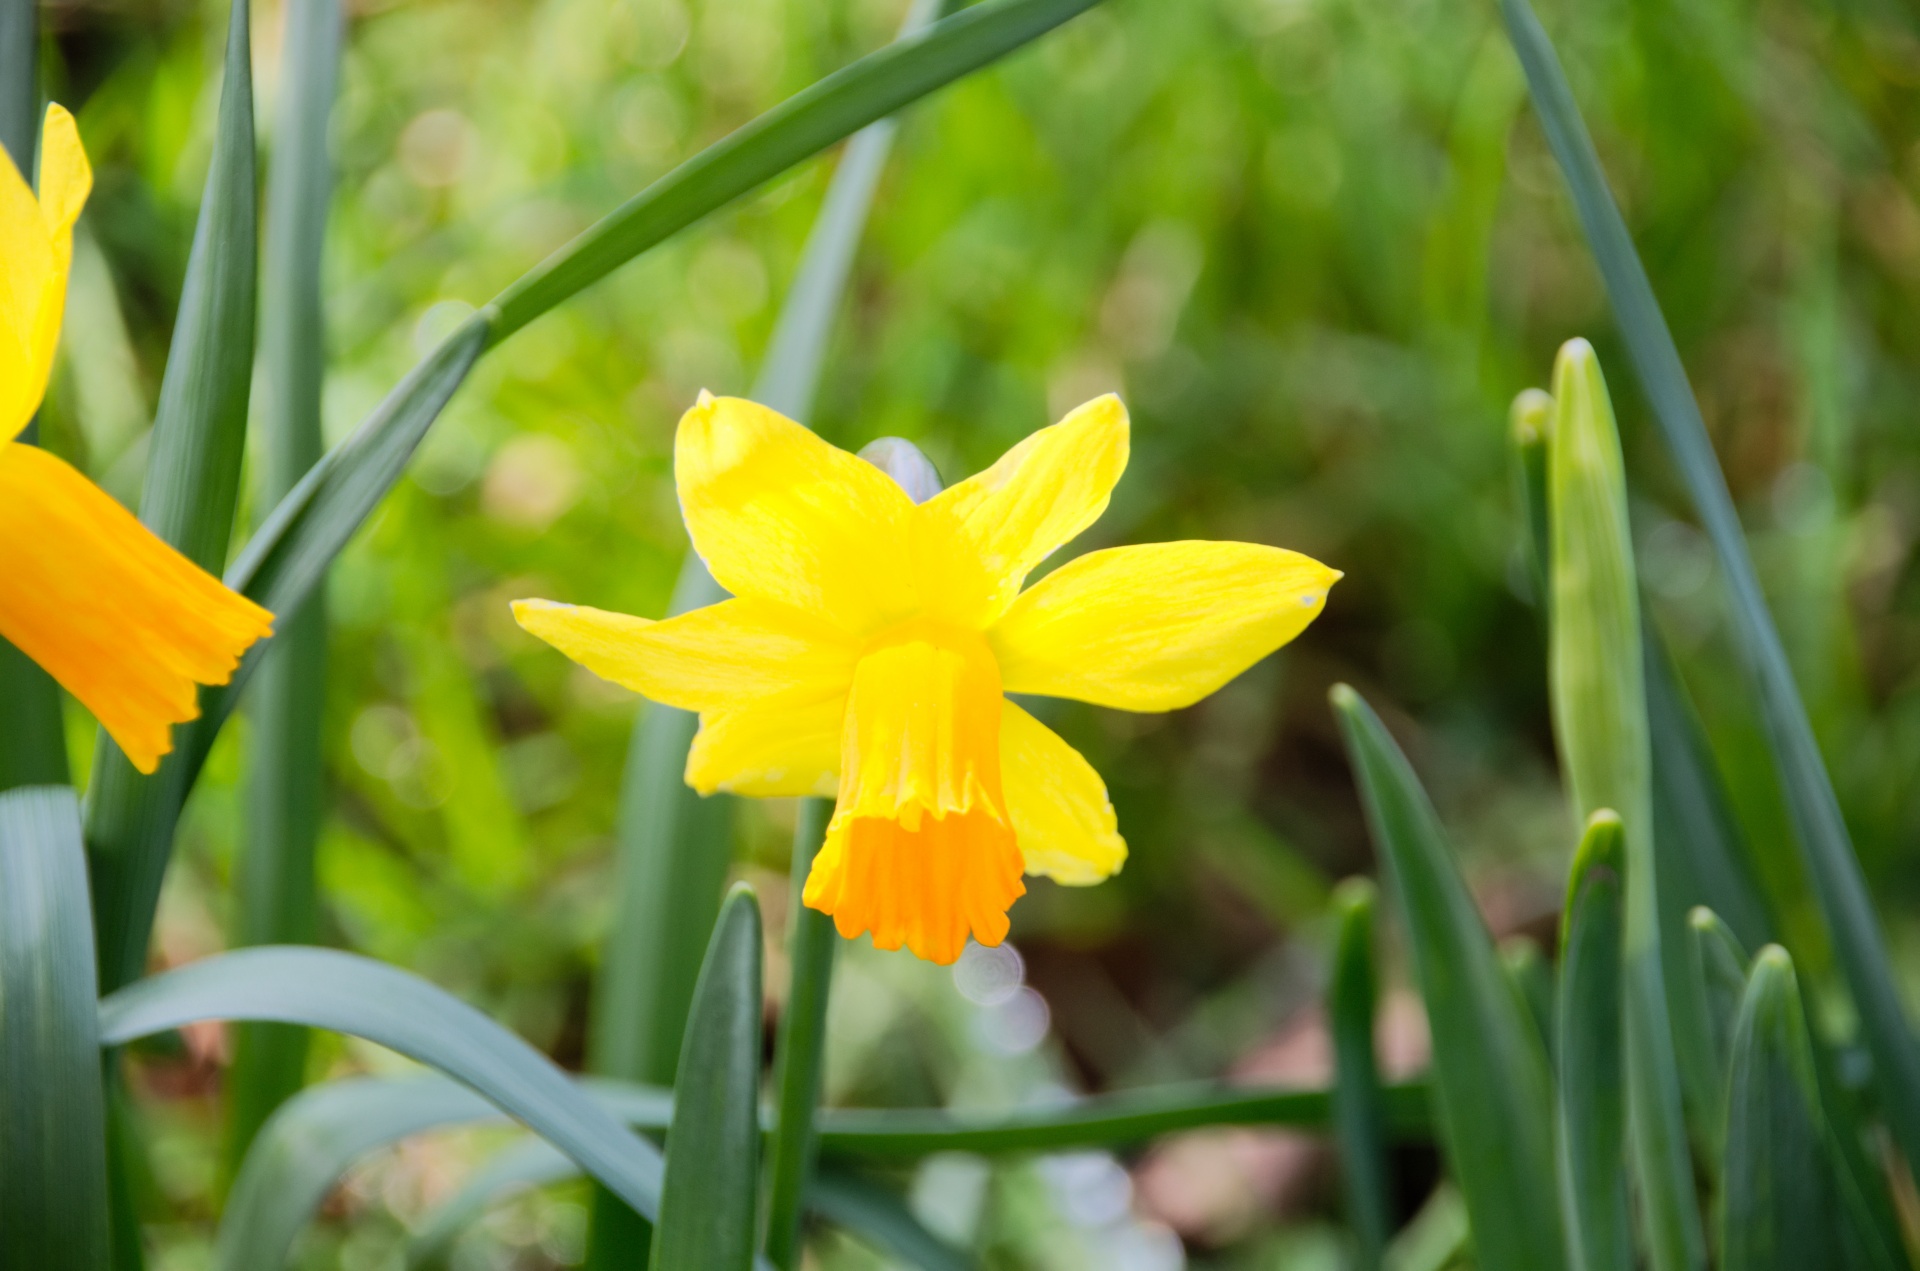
769, 751
1041, 494
1156, 627
123, 621
725, 656
66, 178
919, 851
1061, 816
780, 515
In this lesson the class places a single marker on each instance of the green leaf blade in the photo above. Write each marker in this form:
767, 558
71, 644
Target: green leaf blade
1591, 1091
713, 1149
1600, 723
323, 988
801, 1055
1490, 1076
1821, 831
192, 488
53, 1164
1779, 1207
1359, 1113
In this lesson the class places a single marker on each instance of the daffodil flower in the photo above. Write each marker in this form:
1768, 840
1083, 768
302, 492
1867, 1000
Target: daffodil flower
124, 622
871, 640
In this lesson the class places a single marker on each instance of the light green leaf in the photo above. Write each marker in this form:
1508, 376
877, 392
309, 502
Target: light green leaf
1822, 833
1592, 1095
707, 1202
192, 487
1491, 1084
1529, 422
53, 1158
274, 886
1779, 1211
322, 988
1600, 722
1359, 1114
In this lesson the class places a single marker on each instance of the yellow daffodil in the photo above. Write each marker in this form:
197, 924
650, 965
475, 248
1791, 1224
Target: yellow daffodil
871, 640
123, 621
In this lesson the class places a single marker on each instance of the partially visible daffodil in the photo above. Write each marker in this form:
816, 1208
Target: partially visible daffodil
871, 639
123, 621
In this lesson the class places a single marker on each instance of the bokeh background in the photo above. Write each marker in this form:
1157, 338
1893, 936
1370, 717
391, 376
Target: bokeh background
1318, 245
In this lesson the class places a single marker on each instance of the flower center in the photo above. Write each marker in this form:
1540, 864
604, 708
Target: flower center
921, 851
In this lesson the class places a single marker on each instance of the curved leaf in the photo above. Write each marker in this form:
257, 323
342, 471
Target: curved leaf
322, 988
53, 1162
525, 1166
713, 1147
879, 1216
1489, 1068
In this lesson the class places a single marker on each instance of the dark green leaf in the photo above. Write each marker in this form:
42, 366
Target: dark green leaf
1111, 1120
706, 1215
1592, 1091
1821, 831
274, 901
192, 486
33, 745
1718, 962
1359, 1113
53, 1156
1489, 1070
322, 988
1779, 1211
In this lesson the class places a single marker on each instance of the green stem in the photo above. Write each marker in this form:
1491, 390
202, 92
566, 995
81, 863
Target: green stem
803, 1039
274, 874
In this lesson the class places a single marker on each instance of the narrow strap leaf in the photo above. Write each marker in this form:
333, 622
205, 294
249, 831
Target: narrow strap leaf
707, 1202
1600, 725
1491, 1084
879, 1216
1819, 827
323, 988
192, 488
53, 1164
1592, 1059
1359, 1113
1779, 1210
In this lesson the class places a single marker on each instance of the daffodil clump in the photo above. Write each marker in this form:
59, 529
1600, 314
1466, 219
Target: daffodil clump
123, 621
871, 641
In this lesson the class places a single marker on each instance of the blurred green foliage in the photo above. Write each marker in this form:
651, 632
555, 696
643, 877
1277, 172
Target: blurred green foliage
1317, 244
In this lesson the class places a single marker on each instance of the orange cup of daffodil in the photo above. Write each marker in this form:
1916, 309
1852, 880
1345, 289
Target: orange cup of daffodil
871, 641
124, 622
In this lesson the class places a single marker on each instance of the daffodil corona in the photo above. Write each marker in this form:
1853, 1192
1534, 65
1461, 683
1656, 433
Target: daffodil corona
871, 640
124, 622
